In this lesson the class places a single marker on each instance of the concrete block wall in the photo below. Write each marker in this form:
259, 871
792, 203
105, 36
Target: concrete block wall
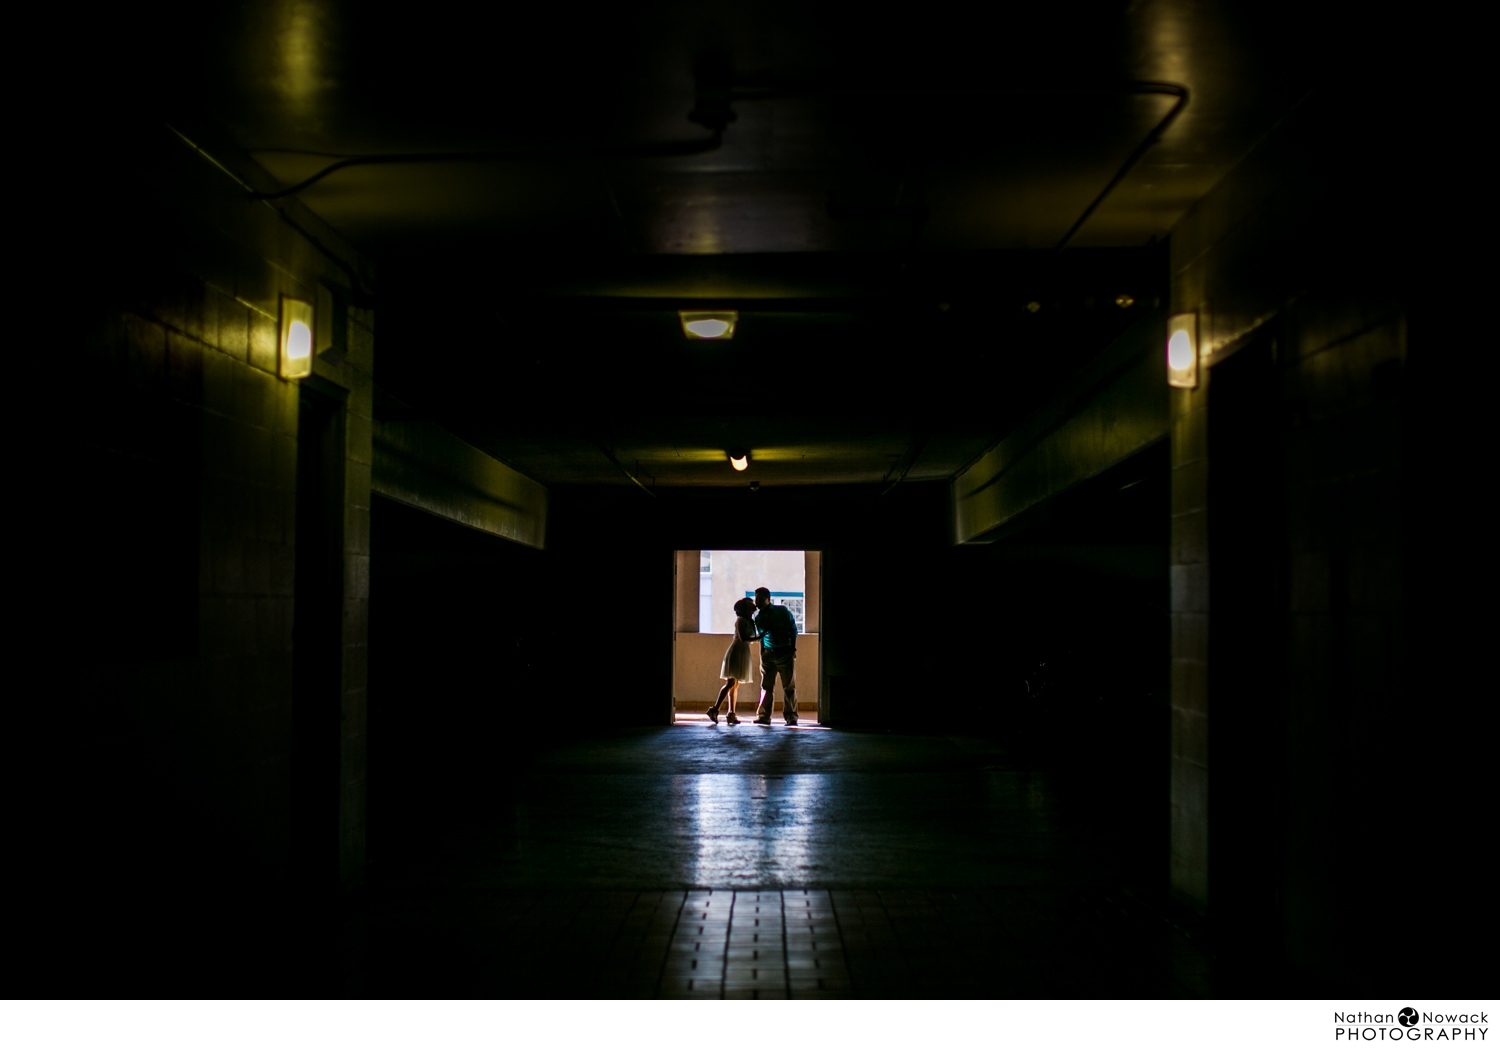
182, 425
1302, 241
354, 372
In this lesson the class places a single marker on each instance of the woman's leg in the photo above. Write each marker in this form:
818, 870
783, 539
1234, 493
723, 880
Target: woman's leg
713, 712
734, 693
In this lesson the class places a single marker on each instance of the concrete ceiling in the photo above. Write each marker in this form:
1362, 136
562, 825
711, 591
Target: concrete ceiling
883, 205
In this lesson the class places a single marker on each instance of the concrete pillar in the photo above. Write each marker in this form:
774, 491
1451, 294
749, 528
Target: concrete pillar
1189, 611
686, 617
812, 588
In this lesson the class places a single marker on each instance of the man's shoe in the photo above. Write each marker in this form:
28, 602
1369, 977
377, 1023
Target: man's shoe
763, 720
791, 721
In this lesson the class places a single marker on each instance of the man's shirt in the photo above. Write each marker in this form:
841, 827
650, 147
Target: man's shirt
777, 627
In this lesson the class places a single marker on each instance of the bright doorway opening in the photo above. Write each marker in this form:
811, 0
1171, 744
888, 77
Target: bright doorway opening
709, 582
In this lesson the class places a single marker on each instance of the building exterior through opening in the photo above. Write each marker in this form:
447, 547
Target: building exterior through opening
709, 582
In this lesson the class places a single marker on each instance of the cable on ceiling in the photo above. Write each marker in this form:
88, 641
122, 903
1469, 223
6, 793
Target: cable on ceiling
363, 296
686, 148
1136, 87
713, 112
1140, 87
602, 447
897, 474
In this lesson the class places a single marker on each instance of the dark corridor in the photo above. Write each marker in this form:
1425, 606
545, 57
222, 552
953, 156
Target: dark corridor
956, 851
1096, 347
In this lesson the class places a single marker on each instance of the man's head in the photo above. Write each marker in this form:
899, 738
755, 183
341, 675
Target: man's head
762, 597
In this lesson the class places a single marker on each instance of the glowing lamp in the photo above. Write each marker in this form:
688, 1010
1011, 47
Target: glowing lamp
739, 459
296, 338
708, 324
1182, 350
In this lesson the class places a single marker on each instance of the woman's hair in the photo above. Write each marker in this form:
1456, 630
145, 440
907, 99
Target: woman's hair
744, 607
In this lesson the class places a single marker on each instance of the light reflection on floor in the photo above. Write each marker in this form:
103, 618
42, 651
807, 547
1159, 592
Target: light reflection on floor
698, 719
753, 830
916, 865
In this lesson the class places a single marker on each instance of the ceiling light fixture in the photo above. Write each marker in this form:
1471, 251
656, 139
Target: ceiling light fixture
708, 324
296, 338
1182, 351
739, 458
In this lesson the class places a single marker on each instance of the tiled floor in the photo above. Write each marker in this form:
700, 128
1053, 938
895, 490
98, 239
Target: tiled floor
771, 944
697, 862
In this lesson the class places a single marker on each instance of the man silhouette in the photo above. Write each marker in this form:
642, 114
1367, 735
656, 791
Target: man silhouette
777, 629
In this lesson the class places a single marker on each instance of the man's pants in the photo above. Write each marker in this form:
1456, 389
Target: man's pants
784, 663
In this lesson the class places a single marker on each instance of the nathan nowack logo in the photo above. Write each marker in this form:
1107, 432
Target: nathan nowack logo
1410, 1025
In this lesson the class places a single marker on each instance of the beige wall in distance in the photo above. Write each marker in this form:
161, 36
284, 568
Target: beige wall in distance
697, 659
686, 603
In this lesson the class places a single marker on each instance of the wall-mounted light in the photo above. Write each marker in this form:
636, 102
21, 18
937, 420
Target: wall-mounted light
708, 324
739, 458
1182, 350
296, 338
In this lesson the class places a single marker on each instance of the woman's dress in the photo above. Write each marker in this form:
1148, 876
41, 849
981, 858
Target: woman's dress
739, 658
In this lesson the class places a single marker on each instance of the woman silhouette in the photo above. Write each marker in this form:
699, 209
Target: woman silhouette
738, 661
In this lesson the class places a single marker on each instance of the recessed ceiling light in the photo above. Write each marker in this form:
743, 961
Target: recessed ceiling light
708, 324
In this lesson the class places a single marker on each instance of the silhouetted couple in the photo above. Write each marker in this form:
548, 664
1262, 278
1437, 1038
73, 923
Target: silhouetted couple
775, 628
